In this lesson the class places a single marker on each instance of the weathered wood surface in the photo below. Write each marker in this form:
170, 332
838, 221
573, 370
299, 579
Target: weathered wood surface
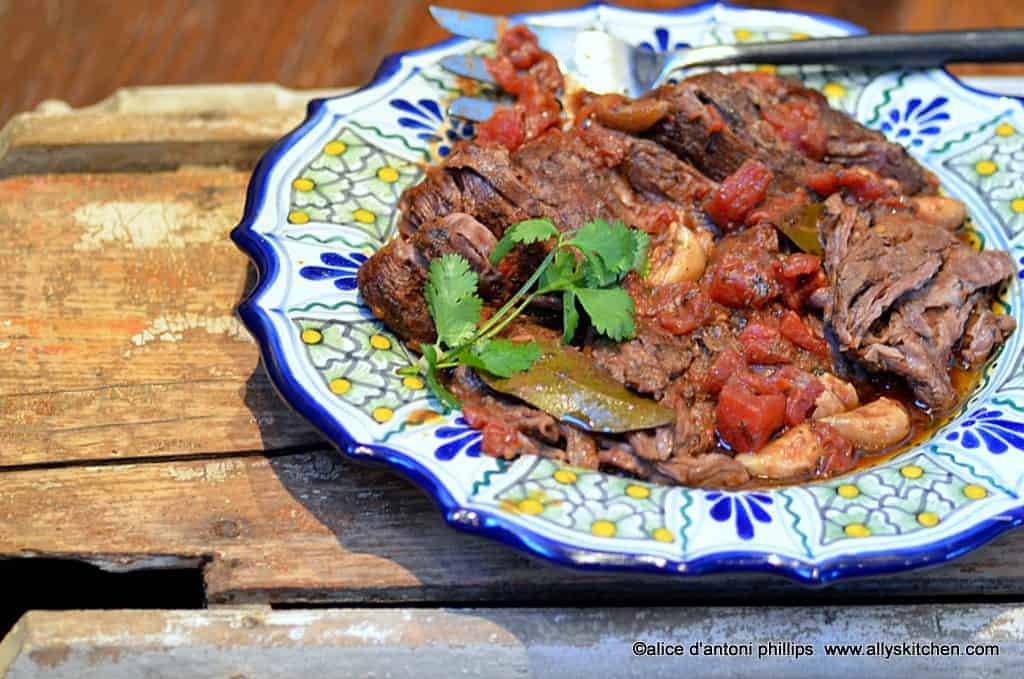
138, 430
571, 643
313, 528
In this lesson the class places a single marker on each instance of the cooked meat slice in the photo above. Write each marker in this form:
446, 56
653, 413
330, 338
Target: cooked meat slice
719, 121
621, 456
870, 266
694, 428
391, 281
985, 330
580, 448
919, 338
902, 292
655, 446
715, 470
646, 363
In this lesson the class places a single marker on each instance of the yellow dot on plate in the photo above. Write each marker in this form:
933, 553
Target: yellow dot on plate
531, 506
799, 35
335, 148
565, 476
985, 167
974, 492
857, 530
340, 385
1006, 130
413, 383
298, 217
380, 342
742, 34
638, 492
602, 528
834, 90
364, 216
663, 535
848, 491
303, 184
383, 414
767, 68
312, 336
911, 471
1017, 205
387, 174
928, 519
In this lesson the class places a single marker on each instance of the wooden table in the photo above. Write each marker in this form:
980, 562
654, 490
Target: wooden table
138, 432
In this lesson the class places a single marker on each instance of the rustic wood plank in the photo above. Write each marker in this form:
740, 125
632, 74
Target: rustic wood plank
154, 128
255, 642
117, 328
313, 528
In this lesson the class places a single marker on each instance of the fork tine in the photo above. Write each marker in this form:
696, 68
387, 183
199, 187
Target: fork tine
468, 66
471, 108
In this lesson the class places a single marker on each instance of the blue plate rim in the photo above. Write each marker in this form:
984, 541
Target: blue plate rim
490, 524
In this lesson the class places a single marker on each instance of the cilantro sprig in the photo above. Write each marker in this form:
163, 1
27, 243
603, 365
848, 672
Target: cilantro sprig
585, 266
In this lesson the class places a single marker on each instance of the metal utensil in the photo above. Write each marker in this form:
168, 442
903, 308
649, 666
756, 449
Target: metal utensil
604, 63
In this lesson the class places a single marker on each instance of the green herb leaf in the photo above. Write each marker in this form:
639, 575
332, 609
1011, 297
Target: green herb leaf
612, 243
452, 299
570, 316
525, 232
641, 246
501, 357
563, 272
446, 397
611, 311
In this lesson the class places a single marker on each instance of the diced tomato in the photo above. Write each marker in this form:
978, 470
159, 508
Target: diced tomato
519, 44
504, 127
763, 344
687, 317
776, 208
861, 183
738, 194
726, 364
800, 275
838, 455
745, 420
802, 390
798, 122
740, 281
499, 439
796, 331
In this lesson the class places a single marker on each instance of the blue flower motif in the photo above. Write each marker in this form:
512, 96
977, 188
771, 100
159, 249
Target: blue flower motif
460, 438
914, 123
342, 268
1020, 273
661, 42
742, 506
432, 124
989, 426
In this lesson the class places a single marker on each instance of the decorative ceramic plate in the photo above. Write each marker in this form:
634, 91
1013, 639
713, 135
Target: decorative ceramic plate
324, 198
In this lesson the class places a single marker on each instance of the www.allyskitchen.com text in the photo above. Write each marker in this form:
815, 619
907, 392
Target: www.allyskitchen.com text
792, 649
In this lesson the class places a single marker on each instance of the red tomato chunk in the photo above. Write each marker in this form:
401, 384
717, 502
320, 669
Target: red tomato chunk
746, 420
796, 331
738, 194
763, 344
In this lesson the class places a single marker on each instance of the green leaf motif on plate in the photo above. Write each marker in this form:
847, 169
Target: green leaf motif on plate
351, 183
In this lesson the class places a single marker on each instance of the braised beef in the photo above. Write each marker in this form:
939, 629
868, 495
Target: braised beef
903, 291
894, 291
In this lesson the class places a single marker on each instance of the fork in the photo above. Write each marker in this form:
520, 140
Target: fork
603, 63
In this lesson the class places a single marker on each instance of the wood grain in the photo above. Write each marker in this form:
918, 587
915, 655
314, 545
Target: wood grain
82, 50
117, 328
436, 643
310, 528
